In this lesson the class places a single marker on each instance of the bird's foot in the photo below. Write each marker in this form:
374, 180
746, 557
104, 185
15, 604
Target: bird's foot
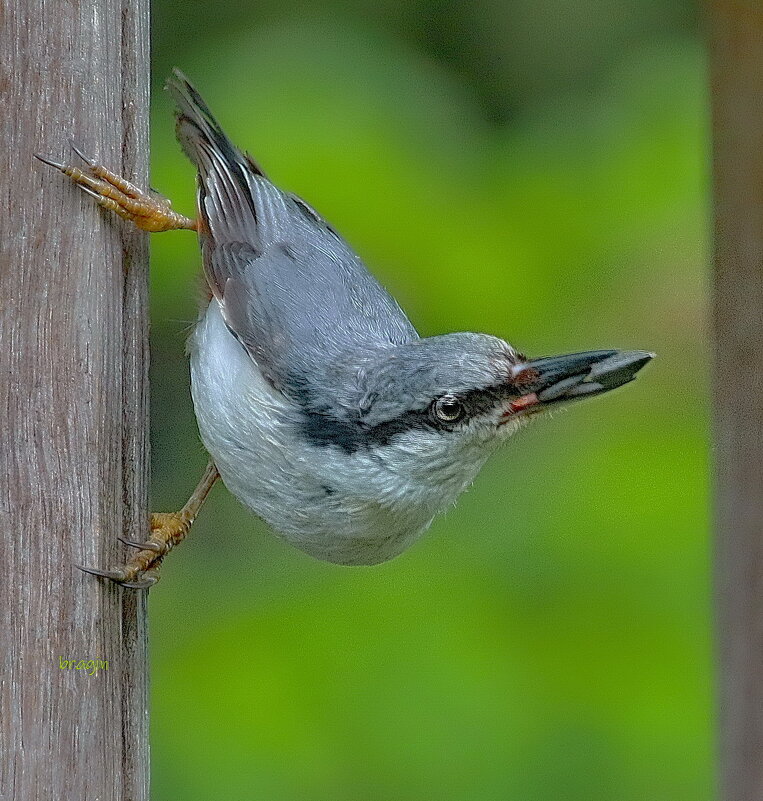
167, 530
150, 212
142, 570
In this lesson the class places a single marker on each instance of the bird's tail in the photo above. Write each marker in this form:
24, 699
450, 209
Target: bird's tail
200, 134
227, 179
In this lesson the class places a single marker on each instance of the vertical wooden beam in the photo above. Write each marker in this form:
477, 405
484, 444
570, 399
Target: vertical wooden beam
737, 106
73, 404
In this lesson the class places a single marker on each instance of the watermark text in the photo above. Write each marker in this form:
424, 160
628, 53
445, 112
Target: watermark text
90, 666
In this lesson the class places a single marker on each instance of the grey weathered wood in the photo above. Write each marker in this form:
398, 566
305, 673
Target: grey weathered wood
737, 100
73, 403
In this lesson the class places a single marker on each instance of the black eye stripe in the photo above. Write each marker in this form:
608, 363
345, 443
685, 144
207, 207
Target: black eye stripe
321, 428
482, 400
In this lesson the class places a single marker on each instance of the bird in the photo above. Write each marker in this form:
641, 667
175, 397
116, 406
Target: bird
321, 407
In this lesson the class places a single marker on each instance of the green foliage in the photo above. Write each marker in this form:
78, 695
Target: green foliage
549, 638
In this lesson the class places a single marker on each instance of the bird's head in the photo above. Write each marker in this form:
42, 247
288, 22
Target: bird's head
460, 394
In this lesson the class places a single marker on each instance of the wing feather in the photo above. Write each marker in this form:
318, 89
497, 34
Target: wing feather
291, 290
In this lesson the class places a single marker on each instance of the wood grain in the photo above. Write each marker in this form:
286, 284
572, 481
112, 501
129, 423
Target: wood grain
73, 403
737, 100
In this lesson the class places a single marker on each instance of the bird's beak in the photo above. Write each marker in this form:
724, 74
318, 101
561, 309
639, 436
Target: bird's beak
556, 379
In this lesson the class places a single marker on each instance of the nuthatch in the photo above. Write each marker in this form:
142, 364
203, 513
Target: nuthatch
321, 407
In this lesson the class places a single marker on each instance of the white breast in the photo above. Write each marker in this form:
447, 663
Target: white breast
359, 508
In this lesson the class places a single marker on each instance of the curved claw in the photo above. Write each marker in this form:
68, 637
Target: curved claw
89, 162
88, 191
150, 577
114, 575
142, 546
49, 162
148, 580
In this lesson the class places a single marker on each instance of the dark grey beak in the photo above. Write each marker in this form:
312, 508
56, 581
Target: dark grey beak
577, 375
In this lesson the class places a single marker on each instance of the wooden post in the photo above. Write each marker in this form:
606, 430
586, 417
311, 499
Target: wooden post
73, 404
737, 100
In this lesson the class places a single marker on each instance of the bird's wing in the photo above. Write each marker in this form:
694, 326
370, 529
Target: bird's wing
291, 290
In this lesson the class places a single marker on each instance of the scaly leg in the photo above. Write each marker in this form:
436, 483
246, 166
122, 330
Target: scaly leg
149, 212
167, 530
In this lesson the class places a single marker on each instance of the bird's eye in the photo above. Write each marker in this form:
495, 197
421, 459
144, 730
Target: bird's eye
448, 409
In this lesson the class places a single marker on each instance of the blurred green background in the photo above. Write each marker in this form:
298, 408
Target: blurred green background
535, 170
